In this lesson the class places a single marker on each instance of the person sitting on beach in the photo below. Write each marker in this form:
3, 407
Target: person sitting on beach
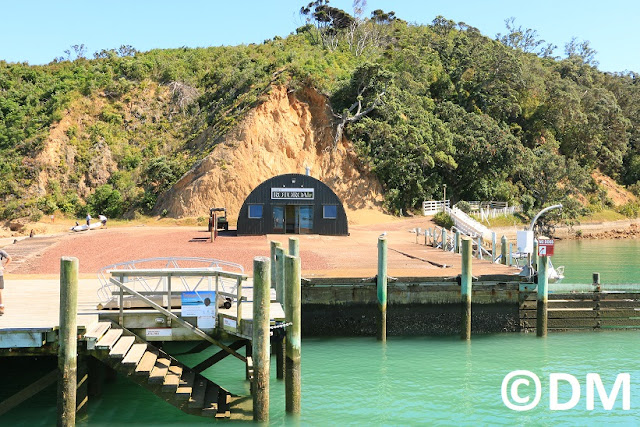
103, 220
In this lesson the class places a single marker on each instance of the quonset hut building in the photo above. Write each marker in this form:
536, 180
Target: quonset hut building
292, 204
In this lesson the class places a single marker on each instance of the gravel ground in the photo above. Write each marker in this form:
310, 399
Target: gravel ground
322, 256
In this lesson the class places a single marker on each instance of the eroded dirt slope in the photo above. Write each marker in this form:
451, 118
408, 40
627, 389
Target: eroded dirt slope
285, 134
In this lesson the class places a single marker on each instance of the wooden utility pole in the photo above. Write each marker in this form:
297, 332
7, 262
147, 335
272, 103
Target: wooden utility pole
68, 341
261, 337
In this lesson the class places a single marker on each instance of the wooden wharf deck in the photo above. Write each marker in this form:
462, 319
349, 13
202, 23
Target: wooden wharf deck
123, 339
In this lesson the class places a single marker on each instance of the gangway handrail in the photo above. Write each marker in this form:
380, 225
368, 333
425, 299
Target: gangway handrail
105, 291
168, 313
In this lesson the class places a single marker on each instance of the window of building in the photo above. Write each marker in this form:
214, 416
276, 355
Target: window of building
255, 211
329, 211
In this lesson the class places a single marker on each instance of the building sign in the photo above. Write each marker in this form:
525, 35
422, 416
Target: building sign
292, 193
545, 247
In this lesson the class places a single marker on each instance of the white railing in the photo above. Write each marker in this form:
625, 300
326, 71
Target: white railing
188, 282
488, 213
432, 207
476, 205
466, 224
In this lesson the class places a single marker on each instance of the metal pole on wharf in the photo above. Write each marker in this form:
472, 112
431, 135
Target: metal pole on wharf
279, 343
465, 292
503, 250
382, 288
293, 303
261, 335
68, 341
543, 295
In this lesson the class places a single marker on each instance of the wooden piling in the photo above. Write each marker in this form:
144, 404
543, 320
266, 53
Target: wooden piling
510, 261
294, 246
479, 247
494, 247
465, 291
503, 250
458, 242
294, 330
261, 337
543, 295
382, 288
417, 234
596, 282
273, 246
444, 239
280, 343
534, 255
68, 342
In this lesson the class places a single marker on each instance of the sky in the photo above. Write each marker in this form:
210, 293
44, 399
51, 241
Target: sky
39, 31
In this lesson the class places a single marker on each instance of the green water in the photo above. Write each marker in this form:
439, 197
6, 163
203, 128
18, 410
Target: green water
417, 381
617, 261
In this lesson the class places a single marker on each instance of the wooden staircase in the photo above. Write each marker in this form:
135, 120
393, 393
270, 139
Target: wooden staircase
157, 371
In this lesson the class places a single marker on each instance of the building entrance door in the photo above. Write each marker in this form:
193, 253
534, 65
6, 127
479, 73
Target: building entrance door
291, 220
278, 219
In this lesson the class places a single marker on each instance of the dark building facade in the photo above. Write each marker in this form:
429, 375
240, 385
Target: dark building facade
292, 204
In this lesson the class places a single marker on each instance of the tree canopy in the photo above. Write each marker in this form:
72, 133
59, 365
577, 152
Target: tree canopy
425, 105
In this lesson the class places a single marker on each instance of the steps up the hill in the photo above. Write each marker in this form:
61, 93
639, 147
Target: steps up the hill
157, 371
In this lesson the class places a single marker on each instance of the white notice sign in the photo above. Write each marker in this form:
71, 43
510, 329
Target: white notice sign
158, 332
206, 322
229, 323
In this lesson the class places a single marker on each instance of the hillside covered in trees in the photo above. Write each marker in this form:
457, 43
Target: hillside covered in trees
424, 106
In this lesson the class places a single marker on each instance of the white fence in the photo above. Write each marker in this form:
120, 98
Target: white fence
432, 207
477, 205
488, 213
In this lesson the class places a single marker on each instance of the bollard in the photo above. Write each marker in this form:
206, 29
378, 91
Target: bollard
293, 342
261, 337
68, 342
280, 343
503, 250
426, 236
382, 288
596, 281
494, 247
543, 294
444, 239
294, 246
465, 291
273, 245
417, 234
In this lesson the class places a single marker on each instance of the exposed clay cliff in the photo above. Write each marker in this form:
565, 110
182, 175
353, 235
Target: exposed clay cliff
284, 134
